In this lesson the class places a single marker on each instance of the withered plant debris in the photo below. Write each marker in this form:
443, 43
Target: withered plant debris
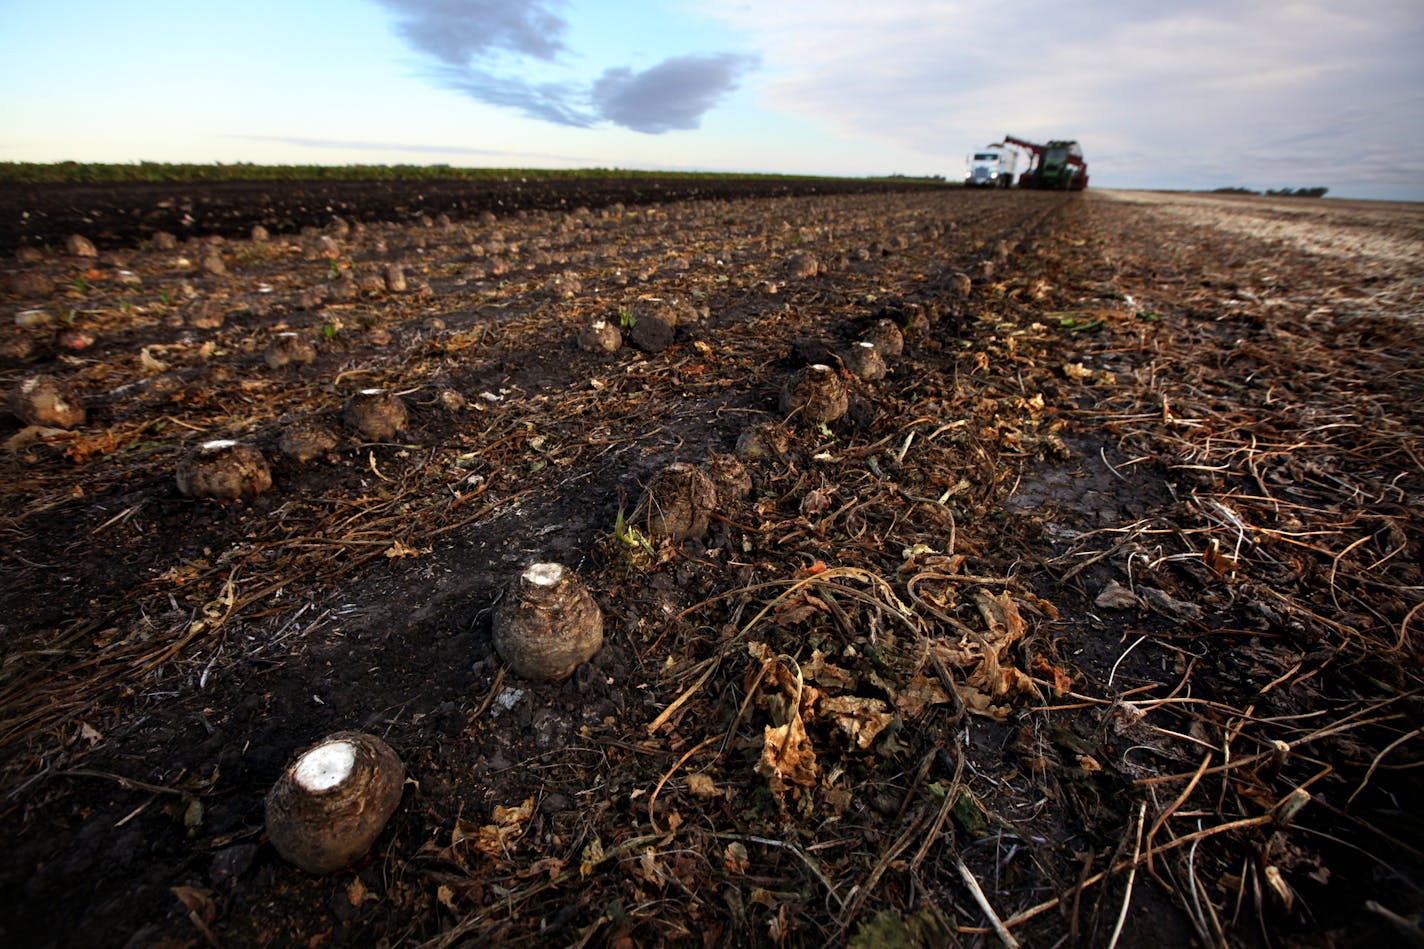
1097, 618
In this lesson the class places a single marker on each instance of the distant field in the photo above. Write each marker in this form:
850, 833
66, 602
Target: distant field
156, 172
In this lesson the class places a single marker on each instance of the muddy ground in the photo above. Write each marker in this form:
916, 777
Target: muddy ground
1094, 619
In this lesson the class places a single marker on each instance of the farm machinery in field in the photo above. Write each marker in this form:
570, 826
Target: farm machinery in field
1059, 165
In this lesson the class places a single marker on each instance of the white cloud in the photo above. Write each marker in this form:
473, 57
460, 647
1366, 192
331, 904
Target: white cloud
1151, 90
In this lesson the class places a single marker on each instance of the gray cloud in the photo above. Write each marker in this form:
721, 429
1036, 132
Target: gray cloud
477, 47
671, 95
456, 31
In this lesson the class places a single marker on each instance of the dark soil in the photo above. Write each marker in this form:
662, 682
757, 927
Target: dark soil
1225, 426
40, 214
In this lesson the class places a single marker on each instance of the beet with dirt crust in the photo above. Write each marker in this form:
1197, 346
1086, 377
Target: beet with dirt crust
815, 394
863, 361
547, 624
333, 801
676, 504
47, 401
600, 336
224, 471
376, 414
729, 475
887, 339
289, 349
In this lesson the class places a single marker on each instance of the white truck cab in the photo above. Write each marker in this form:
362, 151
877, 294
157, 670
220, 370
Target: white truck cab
993, 166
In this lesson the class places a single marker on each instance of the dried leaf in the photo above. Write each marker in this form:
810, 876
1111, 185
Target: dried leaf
356, 892
35, 434
592, 857
399, 551
787, 756
795, 610
1161, 602
494, 839
1062, 681
919, 694
150, 362
1218, 562
826, 674
735, 857
860, 719
446, 897
701, 785
553, 866
1115, 596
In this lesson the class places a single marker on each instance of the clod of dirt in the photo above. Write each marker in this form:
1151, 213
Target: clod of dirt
600, 336
47, 401
260, 234
729, 475
30, 284
816, 394
224, 471
162, 240
961, 285
375, 413
395, 278
887, 339
802, 264
304, 443
450, 400
676, 504
77, 245
333, 801
863, 360
213, 264
207, 315
654, 328
767, 441
28, 255
547, 624
288, 349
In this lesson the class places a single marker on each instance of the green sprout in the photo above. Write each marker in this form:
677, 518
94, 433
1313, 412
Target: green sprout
629, 535
626, 319
80, 284
328, 332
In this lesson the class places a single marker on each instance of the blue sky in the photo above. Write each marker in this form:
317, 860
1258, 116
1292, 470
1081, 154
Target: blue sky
1165, 94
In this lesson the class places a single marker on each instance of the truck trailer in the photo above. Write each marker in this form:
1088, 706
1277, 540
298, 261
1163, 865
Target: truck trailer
994, 166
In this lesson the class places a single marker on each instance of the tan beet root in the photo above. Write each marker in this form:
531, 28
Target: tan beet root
600, 336
676, 504
863, 360
47, 401
333, 801
729, 475
815, 394
547, 624
224, 471
887, 339
376, 414
288, 349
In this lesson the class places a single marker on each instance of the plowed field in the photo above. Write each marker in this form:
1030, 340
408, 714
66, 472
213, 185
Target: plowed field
1096, 617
